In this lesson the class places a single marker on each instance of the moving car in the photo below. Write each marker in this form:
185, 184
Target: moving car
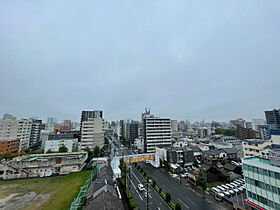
141, 187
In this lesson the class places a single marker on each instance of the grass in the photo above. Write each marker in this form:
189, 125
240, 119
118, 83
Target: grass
63, 189
215, 184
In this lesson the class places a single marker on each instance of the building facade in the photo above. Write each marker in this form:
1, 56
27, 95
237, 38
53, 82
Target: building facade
9, 145
262, 178
273, 118
245, 133
260, 148
16, 129
92, 133
156, 132
35, 132
55, 141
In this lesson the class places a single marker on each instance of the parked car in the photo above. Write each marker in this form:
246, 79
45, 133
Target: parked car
185, 175
219, 165
221, 188
174, 175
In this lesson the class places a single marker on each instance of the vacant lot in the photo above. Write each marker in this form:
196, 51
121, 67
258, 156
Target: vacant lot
41, 193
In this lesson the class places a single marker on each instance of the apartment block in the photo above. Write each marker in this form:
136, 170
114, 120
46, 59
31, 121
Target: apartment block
260, 148
9, 145
156, 131
92, 133
36, 127
262, 178
273, 118
10, 127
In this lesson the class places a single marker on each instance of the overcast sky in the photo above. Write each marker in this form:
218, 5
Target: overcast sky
184, 59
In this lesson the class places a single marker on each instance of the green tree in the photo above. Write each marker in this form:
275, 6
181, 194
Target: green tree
122, 166
7, 155
63, 149
75, 150
168, 197
96, 151
201, 181
22, 153
178, 206
49, 151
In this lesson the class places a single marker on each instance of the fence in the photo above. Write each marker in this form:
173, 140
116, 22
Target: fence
78, 200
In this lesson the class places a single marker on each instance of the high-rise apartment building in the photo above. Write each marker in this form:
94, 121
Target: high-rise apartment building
129, 129
92, 133
92, 129
238, 122
174, 126
273, 118
16, 129
245, 133
36, 127
262, 178
156, 131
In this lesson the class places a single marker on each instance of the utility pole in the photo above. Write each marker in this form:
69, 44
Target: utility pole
147, 194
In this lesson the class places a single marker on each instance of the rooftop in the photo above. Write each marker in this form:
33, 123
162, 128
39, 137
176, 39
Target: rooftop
258, 160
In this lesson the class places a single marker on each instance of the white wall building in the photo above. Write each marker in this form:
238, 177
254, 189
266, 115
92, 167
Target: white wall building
10, 127
260, 148
54, 142
92, 133
174, 126
139, 144
156, 132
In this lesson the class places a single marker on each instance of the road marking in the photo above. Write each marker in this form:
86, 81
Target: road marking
133, 185
135, 176
183, 203
140, 196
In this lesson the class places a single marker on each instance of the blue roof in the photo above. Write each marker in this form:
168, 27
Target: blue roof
254, 141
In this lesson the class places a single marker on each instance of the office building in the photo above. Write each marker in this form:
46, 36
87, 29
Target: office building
156, 131
92, 133
183, 156
273, 118
262, 178
249, 125
35, 132
55, 141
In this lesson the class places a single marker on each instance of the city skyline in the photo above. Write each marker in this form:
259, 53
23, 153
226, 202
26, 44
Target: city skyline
185, 60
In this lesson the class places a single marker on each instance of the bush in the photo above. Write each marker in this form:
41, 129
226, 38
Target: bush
160, 190
168, 197
178, 206
138, 167
122, 182
128, 194
132, 203
154, 183
144, 173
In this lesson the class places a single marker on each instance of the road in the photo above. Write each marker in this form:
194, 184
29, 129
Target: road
179, 193
155, 201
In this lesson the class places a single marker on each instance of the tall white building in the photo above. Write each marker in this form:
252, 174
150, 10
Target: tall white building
10, 127
156, 132
92, 133
257, 122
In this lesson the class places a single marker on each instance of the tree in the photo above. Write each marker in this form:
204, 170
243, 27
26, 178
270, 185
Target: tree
96, 151
7, 155
49, 151
178, 206
168, 197
75, 150
63, 149
201, 181
22, 153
